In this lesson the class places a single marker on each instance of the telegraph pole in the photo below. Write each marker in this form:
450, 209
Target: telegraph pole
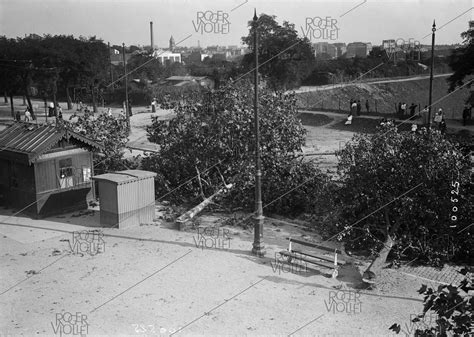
433, 29
126, 84
258, 246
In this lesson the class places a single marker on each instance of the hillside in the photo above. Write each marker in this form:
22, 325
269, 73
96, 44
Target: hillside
385, 96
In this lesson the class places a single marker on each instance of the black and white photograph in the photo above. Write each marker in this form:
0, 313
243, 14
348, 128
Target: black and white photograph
236, 168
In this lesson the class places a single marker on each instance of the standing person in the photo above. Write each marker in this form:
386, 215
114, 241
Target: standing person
367, 106
465, 115
442, 126
353, 107
51, 110
399, 108
18, 116
27, 114
350, 105
404, 109
412, 109
359, 107
438, 117
153, 104
130, 107
59, 111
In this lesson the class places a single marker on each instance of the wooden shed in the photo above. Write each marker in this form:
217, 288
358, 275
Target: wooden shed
45, 169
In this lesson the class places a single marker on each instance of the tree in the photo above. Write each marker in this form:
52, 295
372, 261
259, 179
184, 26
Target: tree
396, 193
110, 132
461, 61
213, 137
53, 62
285, 58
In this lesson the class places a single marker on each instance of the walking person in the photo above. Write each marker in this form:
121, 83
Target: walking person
359, 107
18, 116
367, 106
399, 108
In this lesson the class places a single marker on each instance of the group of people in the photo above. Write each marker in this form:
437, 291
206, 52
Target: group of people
438, 118
27, 115
403, 109
356, 107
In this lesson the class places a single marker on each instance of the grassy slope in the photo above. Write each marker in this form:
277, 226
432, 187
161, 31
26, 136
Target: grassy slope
387, 95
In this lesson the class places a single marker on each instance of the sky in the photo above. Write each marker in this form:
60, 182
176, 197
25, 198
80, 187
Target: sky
226, 21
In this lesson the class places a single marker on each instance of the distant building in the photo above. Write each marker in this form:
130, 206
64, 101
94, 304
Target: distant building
45, 169
166, 56
359, 49
341, 48
325, 50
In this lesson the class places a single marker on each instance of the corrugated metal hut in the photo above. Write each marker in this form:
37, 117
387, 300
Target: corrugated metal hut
127, 198
45, 169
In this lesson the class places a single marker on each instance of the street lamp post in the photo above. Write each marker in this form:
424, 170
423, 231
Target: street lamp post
126, 84
433, 29
258, 246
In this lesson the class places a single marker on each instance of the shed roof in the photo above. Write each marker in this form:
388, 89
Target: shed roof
140, 174
33, 140
116, 178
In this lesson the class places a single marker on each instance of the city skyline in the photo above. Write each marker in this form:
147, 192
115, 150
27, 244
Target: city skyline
344, 21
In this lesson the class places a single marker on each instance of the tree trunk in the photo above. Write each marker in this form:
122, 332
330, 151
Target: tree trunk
94, 103
69, 100
30, 105
189, 215
11, 104
5, 97
375, 268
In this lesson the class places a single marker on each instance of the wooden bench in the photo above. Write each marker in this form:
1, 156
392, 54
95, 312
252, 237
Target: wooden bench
320, 260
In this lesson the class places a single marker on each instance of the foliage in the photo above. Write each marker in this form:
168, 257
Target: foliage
51, 63
112, 133
453, 306
399, 184
461, 61
284, 58
215, 136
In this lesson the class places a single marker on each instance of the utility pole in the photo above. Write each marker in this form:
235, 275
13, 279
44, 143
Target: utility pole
258, 246
433, 29
111, 67
126, 84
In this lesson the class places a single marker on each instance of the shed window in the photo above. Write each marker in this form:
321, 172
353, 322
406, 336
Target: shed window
66, 173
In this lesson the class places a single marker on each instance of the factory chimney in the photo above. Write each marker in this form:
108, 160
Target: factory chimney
151, 36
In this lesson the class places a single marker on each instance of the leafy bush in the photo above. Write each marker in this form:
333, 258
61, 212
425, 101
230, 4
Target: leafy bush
453, 306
